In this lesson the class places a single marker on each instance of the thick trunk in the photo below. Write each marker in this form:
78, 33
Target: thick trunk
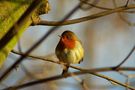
12, 19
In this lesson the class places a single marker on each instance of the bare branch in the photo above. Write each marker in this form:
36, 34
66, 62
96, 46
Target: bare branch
84, 85
122, 17
91, 17
126, 58
94, 4
57, 77
127, 3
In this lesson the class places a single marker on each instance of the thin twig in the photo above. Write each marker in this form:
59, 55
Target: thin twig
85, 5
94, 5
122, 17
84, 85
127, 78
127, 3
126, 58
82, 82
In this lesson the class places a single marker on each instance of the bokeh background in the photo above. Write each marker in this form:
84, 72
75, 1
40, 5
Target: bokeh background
106, 40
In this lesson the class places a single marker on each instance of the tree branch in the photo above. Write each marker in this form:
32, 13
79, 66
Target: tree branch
122, 17
57, 77
83, 19
126, 58
127, 3
94, 4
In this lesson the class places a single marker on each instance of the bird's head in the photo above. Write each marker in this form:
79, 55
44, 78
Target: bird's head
68, 38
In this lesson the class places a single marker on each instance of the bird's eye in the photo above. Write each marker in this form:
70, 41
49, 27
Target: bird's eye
68, 37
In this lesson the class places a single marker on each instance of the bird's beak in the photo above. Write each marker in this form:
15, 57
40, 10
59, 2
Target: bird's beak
59, 36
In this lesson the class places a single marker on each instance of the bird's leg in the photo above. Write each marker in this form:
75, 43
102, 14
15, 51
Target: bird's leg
65, 70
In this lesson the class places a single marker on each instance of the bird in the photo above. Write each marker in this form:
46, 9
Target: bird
69, 50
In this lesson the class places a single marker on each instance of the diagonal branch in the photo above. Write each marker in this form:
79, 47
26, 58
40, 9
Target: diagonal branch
83, 19
57, 77
127, 3
126, 58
